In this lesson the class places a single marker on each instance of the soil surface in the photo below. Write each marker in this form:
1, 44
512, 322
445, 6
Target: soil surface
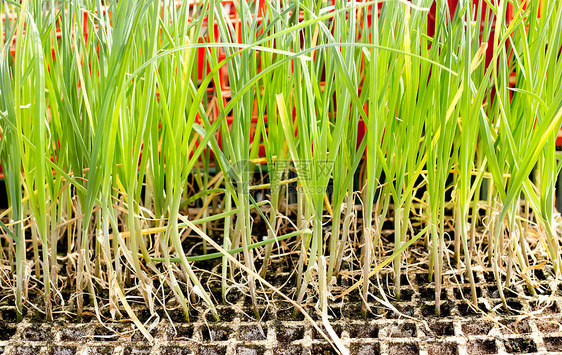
408, 326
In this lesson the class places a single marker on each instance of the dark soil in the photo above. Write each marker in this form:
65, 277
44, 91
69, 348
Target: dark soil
364, 331
481, 346
66, 350
466, 292
37, 333
428, 294
322, 349
26, 350
442, 328
406, 295
316, 335
493, 292
216, 333
73, 334
553, 343
288, 350
365, 349
287, 315
515, 326
548, 326
250, 349
468, 310
406, 330
104, 334
546, 308
287, 334
403, 349
225, 315
242, 332
404, 309
248, 315
6, 331
354, 311
428, 310
9, 315
520, 345
443, 349
477, 327
252, 332
181, 332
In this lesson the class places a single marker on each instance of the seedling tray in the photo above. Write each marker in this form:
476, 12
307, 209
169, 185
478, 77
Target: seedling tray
533, 326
